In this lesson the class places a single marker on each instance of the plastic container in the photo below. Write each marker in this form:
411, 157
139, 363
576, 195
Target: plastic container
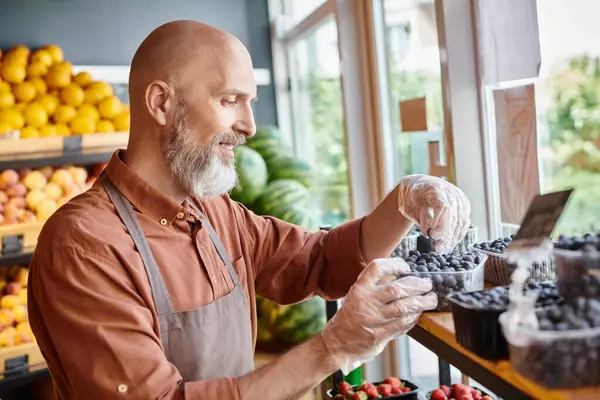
445, 283
498, 270
470, 239
556, 359
413, 395
428, 395
577, 273
406, 245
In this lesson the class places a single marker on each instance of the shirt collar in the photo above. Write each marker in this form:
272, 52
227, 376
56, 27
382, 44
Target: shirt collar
142, 195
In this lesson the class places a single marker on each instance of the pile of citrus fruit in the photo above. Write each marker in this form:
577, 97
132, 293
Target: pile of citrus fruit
40, 96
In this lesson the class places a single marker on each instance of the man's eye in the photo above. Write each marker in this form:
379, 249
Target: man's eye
228, 103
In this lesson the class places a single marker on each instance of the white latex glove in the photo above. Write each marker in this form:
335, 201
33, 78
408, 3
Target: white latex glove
375, 312
441, 209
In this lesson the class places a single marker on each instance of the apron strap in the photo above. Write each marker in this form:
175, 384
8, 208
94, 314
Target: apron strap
162, 301
218, 244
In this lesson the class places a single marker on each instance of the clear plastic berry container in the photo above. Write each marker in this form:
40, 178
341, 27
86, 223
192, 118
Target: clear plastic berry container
498, 270
577, 273
556, 359
445, 283
469, 240
406, 245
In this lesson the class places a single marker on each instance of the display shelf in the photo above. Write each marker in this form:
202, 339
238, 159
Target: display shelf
23, 258
21, 365
25, 234
436, 332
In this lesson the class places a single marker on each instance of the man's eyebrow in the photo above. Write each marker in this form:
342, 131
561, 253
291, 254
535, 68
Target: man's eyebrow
240, 93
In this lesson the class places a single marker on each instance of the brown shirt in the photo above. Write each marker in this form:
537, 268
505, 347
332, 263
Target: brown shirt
90, 303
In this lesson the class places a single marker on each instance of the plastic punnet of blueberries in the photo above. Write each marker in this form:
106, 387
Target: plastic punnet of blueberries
577, 260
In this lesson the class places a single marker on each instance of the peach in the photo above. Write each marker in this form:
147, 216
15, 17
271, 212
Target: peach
18, 190
23, 173
22, 276
28, 216
9, 178
11, 212
16, 202
34, 198
11, 290
46, 209
79, 174
3, 197
53, 191
35, 180
20, 314
23, 296
10, 301
6, 317
62, 177
47, 171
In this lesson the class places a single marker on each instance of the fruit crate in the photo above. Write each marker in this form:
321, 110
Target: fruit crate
407, 244
556, 359
447, 282
412, 395
476, 317
15, 359
498, 270
578, 273
25, 233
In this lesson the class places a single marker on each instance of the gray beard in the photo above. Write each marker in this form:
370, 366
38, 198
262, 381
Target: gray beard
199, 171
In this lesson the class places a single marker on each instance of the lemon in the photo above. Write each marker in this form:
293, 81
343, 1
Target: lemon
72, 95
58, 77
89, 111
36, 70
35, 115
49, 102
82, 126
40, 86
5, 127
97, 91
48, 130
54, 51
7, 100
12, 117
41, 56
64, 114
5, 87
110, 107
24, 92
83, 79
62, 130
29, 132
20, 107
122, 122
12, 72
105, 126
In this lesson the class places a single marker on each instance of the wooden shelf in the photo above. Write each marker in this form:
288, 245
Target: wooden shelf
440, 328
28, 231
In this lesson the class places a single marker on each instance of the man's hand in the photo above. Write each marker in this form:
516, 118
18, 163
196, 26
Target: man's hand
375, 312
441, 209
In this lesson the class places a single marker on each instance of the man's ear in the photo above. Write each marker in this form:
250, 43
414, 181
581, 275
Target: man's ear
159, 101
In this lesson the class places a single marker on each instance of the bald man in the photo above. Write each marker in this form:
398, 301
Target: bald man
144, 286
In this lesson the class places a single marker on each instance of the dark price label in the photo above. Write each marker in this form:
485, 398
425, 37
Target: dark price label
541, 218
72, 144
12, 244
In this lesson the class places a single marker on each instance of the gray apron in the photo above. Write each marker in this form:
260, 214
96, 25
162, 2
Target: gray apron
213, 341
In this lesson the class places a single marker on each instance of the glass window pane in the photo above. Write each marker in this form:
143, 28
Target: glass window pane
411, 65
318, 116
297, 10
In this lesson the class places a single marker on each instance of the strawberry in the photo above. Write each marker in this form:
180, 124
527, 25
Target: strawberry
486, 398
397, 390
370, 390
466, 397
393, 382
360, 395
438, 394
406, 389
344, 388
385, 389
475, 392
446, 390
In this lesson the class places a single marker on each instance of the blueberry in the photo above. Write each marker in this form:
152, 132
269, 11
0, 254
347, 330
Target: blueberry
450, 281
421, 268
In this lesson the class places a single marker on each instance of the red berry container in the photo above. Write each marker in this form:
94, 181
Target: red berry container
412, 395
428, 395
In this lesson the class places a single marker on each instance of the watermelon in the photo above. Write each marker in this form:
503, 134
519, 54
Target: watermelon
297, 322
280, 195
294, 215
252, 175
290, 167
268, 142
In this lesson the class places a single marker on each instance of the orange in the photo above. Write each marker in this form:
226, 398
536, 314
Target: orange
36, 70
29, 132
83, 79
17, 54
54, 51
41, 56
72, 95
82, 126
110, 107
40, 86
89, 111
95, 92
12, 72
35, 115
7, 100
24, 92
122, 122
105, 126
58, 77
49, 102
12, 117
64, 114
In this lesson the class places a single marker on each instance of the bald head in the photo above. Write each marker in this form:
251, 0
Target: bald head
190, 89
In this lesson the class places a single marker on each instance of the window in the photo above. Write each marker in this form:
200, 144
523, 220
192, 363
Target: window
298, 10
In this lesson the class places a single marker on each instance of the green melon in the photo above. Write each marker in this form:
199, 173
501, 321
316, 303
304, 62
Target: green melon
295, 323
290, 167
252, 175
268, 142
294, 215
280, 195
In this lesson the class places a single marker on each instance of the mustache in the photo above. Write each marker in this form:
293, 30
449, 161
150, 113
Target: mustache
235, 138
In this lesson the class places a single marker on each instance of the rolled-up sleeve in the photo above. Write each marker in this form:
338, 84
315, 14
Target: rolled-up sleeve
98, 335
291, 264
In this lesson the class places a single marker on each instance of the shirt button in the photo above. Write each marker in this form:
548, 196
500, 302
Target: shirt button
122, 388
163, 222
180, 215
